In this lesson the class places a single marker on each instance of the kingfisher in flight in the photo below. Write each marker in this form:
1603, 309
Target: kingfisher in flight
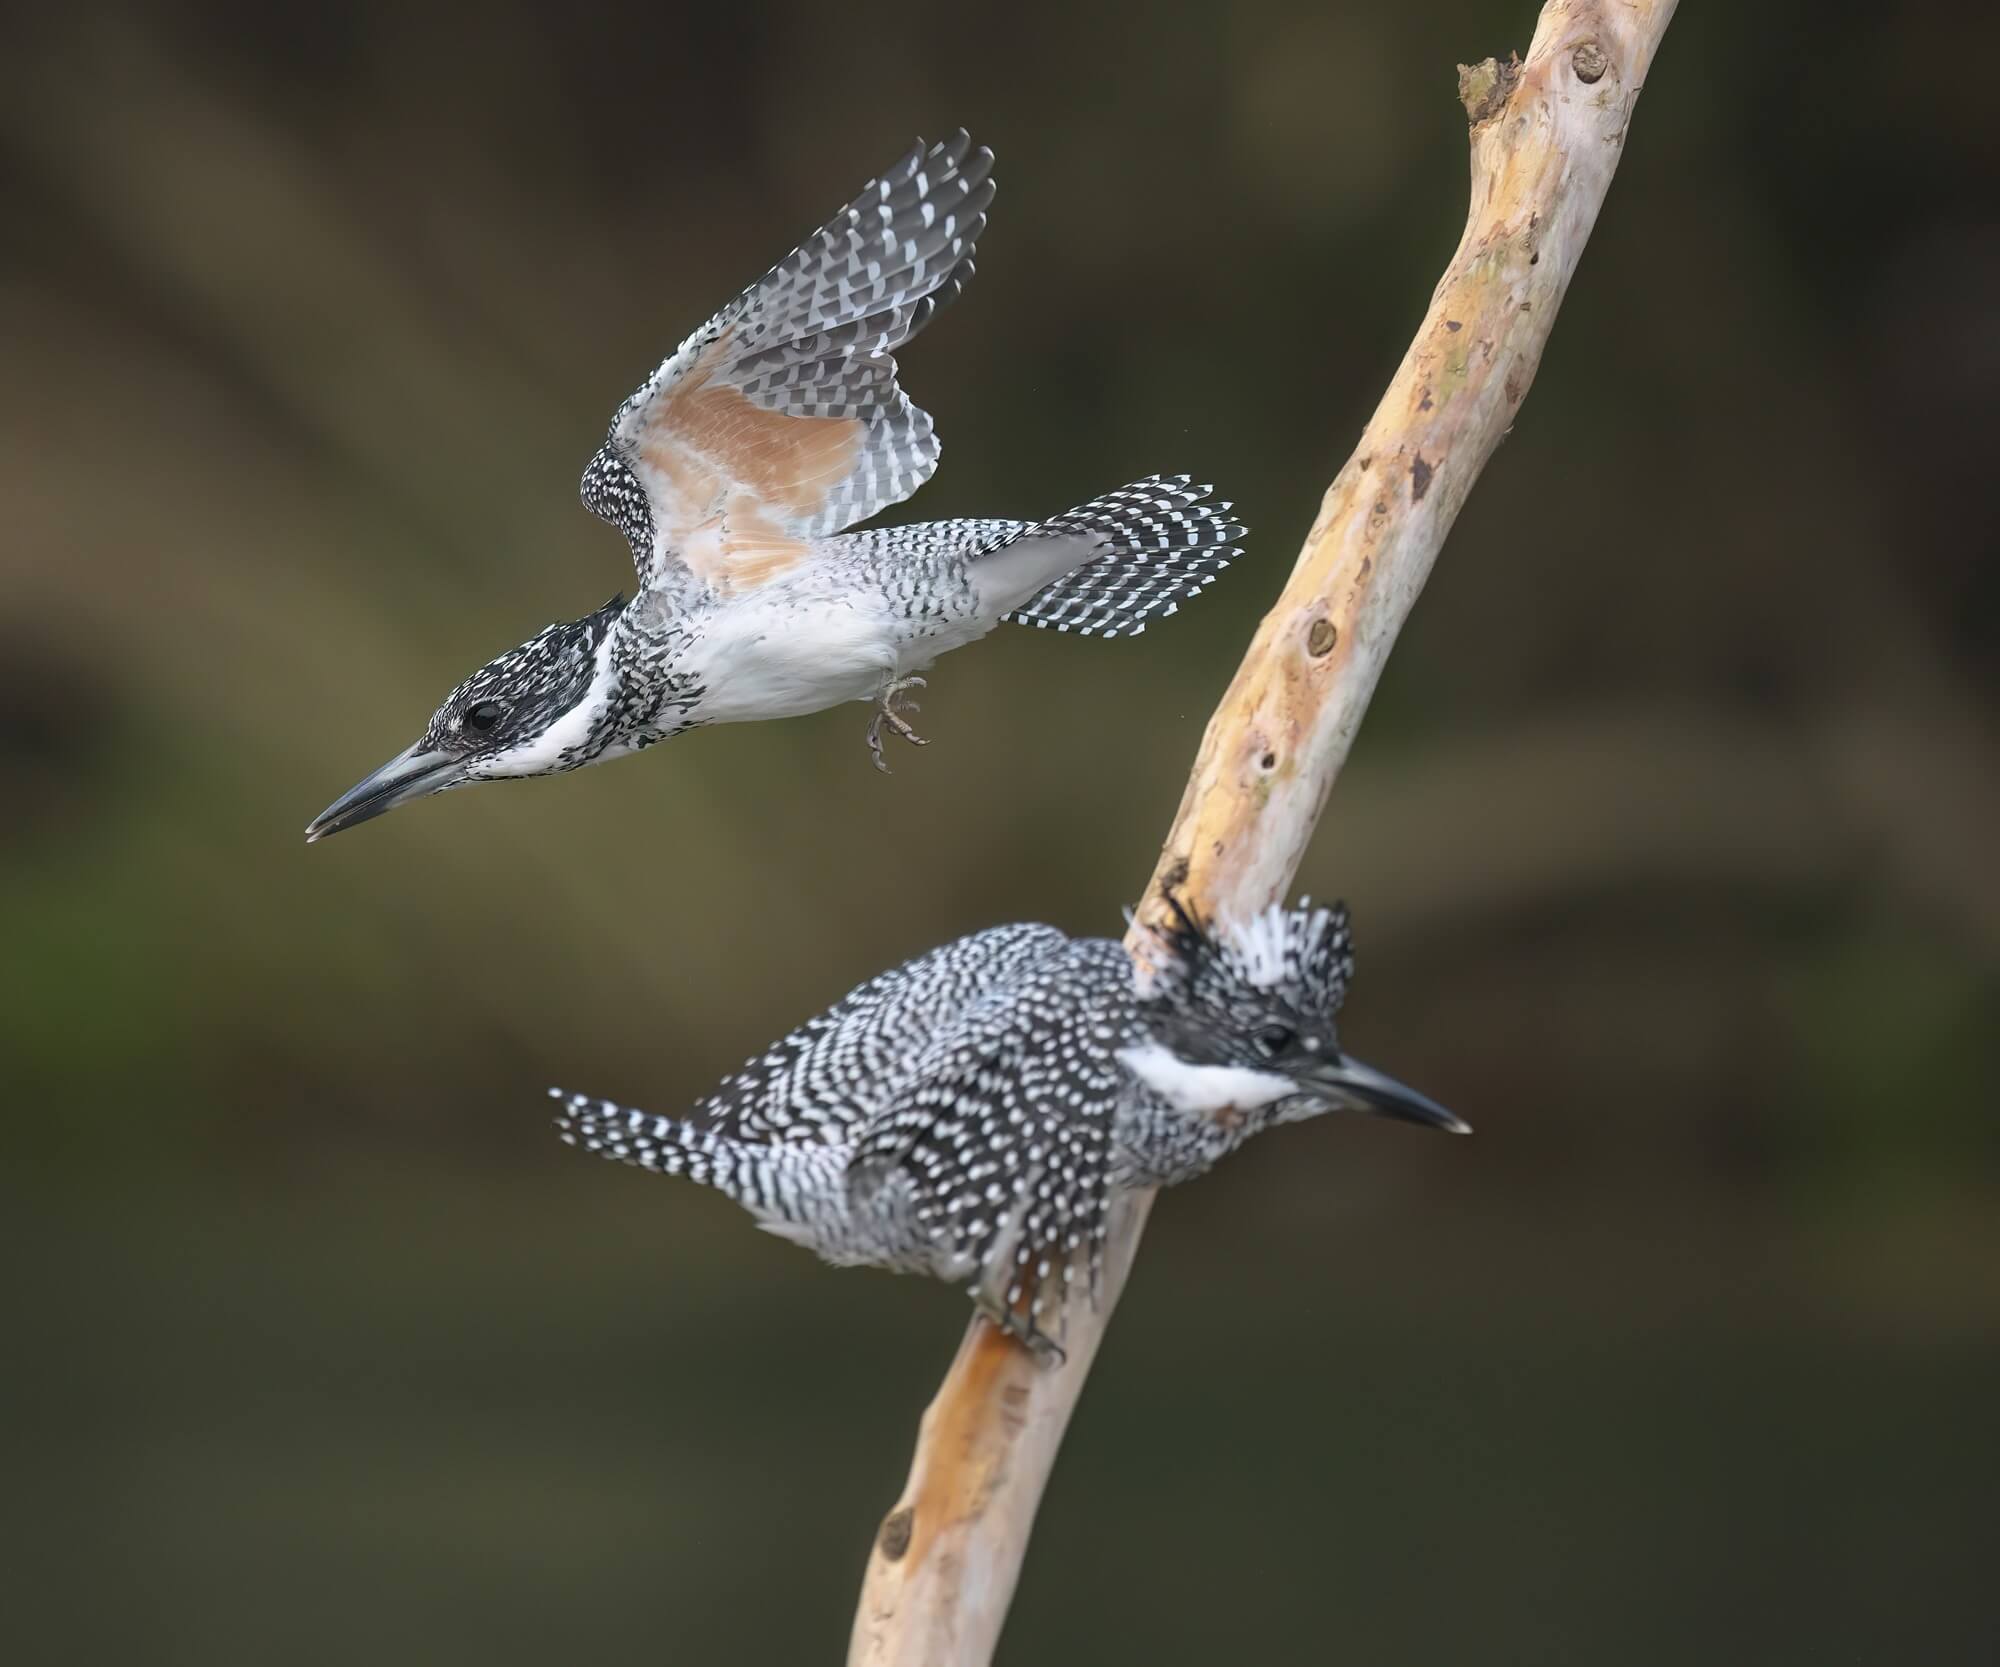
971, 1114
734, 473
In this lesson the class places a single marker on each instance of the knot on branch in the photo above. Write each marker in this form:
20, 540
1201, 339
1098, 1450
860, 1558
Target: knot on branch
1484, 88
896, 1530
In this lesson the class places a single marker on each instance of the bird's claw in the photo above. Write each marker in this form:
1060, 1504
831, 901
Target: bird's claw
1022, 1329
888, 717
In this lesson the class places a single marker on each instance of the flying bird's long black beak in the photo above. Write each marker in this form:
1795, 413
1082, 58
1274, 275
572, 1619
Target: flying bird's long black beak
412, 774
1349, 1083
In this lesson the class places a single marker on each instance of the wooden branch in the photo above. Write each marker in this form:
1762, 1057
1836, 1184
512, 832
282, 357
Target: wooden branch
1546, 137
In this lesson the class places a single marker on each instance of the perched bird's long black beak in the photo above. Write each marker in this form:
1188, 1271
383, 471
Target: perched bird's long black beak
411, 774
1348, 1083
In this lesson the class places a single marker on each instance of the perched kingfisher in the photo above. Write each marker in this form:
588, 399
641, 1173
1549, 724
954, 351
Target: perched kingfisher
969, 1115
733, 473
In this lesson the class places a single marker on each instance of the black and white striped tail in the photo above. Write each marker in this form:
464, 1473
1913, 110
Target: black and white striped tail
796, 1189
1162, 543
665, 1145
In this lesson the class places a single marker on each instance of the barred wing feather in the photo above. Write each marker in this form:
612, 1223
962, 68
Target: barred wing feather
780, 421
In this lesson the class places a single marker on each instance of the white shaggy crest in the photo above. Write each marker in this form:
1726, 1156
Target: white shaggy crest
1262, 945
1273, 946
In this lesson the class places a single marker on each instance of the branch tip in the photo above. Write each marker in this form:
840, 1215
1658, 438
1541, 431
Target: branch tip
1484, 88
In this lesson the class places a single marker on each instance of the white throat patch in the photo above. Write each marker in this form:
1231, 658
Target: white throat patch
1203, 1088
544, 752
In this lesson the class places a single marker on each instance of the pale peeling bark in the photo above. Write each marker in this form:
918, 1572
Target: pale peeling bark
1546, 137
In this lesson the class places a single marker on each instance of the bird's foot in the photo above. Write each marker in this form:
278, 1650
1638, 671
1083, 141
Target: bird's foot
887, 716
1022, 1328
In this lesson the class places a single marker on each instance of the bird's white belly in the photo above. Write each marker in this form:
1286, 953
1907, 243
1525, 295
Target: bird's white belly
780, 655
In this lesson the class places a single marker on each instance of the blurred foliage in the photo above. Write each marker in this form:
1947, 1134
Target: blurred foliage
1669, 842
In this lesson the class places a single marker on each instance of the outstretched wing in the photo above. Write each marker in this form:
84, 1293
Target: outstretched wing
838, 1071
1004, 1130
780, 420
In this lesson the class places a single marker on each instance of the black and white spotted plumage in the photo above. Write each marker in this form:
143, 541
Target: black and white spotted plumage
970, 1114
734, 473
849, 1065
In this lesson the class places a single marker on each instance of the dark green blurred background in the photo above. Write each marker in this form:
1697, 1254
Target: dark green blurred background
1669, 844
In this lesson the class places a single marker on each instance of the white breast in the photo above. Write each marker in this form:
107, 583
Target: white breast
776, 654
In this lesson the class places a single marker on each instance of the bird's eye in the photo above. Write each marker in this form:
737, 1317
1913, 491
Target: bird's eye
485, 715
1272, 1040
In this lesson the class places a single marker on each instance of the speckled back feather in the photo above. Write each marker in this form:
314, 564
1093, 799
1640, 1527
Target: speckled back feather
850, 1065
1004, 1127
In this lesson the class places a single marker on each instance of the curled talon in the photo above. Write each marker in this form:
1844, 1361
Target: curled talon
887, 716
1023, 1330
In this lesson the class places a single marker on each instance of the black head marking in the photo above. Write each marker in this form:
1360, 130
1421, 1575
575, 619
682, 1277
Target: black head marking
1261, 993
518, 695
